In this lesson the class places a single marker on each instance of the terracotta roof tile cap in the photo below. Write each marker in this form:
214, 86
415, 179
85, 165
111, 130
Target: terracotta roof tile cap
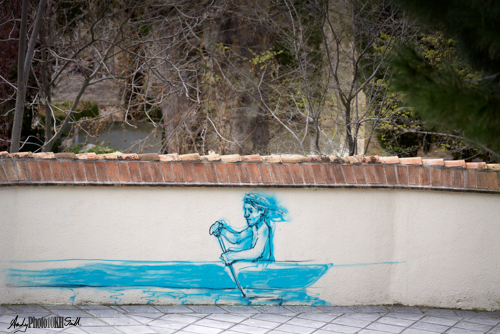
128, 156
190, 157
66, 155
170, 157
231, 158
433, 162
271, 159
339, 160
44, 155
353, 160
454, 163
369, 160
410, 161
108, 156
389, 160
251, 158
21, 155
493, 166
4, 155
87, 156
211, 157
149, 157
476, 165
315, 158
291, 158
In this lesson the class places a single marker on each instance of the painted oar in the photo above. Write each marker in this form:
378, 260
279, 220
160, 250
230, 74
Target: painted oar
221, 243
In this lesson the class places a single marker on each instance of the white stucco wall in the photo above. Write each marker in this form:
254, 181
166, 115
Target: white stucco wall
444, 246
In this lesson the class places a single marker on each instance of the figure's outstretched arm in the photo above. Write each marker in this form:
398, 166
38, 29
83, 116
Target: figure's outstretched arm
253, 253
221, 228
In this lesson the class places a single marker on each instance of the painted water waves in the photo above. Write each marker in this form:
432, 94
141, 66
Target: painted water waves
246, 274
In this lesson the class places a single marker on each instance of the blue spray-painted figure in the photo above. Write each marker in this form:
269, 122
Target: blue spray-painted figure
254, 243
257, 277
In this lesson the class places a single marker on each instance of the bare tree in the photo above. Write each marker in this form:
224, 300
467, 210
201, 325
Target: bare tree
229, 76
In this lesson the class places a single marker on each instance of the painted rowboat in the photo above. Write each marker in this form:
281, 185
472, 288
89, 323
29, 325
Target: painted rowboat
174, 275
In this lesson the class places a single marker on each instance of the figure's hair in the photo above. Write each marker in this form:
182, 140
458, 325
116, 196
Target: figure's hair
265, 204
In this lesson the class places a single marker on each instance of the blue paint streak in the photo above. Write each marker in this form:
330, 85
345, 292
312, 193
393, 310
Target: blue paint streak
165, 275
174, 275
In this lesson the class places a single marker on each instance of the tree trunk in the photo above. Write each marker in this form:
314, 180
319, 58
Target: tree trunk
241, 117
21, 85
46, 83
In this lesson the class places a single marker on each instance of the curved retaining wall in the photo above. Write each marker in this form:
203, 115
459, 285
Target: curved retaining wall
385, 242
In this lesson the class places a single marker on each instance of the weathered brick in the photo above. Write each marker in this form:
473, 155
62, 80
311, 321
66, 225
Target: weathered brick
3, 176
348, 173
447, 177
482, 180
168, 173
178, 172
112, 169
45, 171
359, 174
286, 174
102, 172
436, 177
243, 172
318, 174
380, 174
337, 172
232, 173
90, 170
493, 180
10, 170
414, 175
265, 174
123, 171
211, 173
222, 172
145, 171
329, 173
307, 173
199, 169
275, 174
79, 171
425, 176
470, 178
370, 174
402, 174
135, 172
296, 174
189, 171
253, 171
22, 170
458, 178
55, 166
34, 170
390, 173
156, 171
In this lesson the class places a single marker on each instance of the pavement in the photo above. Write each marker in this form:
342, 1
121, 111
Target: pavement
190, 319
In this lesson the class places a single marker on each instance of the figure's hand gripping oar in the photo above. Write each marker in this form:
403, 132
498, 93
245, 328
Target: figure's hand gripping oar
221, 243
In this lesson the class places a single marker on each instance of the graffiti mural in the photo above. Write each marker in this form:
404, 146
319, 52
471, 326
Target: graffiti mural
247, 272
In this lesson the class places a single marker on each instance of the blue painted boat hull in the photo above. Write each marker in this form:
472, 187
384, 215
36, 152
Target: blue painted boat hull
174, 275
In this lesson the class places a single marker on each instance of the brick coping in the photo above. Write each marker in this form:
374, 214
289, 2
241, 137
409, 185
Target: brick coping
249, 171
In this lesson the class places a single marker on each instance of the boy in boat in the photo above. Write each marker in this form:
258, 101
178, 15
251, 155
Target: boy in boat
254, 243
